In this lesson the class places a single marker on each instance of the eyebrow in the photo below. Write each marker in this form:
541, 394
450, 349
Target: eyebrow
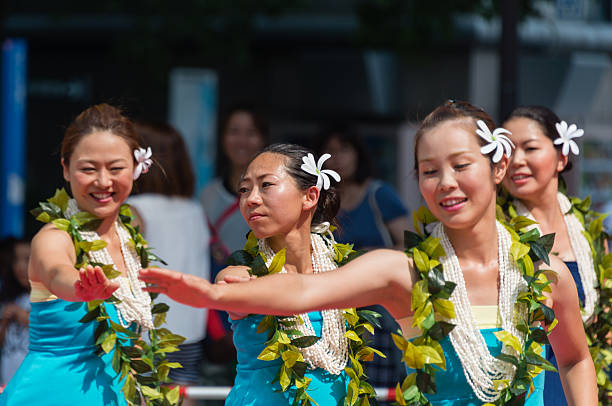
453, 155
246, 178
92, 161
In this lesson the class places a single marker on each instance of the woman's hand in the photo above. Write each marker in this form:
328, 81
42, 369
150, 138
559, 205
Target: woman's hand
183, 288
94, 285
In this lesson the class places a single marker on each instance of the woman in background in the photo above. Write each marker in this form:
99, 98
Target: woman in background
371, 215
15, 300
174, 225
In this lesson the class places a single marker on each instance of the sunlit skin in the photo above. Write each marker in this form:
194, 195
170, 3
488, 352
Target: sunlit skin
100, 172
533, 178
449, 158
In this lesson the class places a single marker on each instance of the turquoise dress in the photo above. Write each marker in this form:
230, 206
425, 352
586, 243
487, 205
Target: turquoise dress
452, 386
61, 367
254, 385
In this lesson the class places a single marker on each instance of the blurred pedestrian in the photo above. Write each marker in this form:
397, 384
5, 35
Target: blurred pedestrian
372, 215
174, 225
15, 300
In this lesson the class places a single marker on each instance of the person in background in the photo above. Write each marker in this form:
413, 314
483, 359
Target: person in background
174, 225
242, 133
15, 299
372, 215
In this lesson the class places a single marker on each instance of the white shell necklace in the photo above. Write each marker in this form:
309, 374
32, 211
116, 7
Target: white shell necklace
580, 246
135, 304
479, 366
330, 352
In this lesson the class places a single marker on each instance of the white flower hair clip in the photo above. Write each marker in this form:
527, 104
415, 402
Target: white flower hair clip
565, 137
496, 141
322, 175
143, 157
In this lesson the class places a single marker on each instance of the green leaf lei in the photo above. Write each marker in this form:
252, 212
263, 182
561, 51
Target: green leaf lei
599, 326
143, 364
432, 307
285, 342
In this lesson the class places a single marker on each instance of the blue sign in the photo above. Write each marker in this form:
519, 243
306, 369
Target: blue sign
12, 121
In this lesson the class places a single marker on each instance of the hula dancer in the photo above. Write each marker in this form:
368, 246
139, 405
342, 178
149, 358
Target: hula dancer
88, 353
469, 297
543, 145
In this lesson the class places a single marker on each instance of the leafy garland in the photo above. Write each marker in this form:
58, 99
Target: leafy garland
285, 342
431, 307
143, 364
598, 328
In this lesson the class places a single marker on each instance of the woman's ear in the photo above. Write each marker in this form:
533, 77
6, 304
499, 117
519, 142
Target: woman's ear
311, 198
65, 170
499, 169
562, 162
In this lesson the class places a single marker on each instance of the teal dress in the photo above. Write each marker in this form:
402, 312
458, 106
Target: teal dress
255, 383
452, 386
61, 367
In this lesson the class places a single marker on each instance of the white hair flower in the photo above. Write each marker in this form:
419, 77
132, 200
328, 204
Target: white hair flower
322, 175
565, 137
143, 157
496, 141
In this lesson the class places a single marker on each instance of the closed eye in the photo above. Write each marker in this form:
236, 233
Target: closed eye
462, 166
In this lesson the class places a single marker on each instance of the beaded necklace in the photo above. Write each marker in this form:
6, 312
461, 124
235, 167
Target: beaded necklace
142, 365
581, 248
134, 304
479, 366
440, 311
330, 351
342, 346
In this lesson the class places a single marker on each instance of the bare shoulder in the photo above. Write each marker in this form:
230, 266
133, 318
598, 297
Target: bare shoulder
50, 246
238, 270
561, 273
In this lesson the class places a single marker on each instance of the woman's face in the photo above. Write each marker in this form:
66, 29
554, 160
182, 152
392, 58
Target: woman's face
100, 173
270, 201
343, 158
455, 178
241, 139
535, 163
20, 263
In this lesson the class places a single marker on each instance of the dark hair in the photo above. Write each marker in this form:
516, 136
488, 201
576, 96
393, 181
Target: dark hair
546, 119
329, 200
10, 288
223, 163
450, 110
101, 117
343, 134
172, 174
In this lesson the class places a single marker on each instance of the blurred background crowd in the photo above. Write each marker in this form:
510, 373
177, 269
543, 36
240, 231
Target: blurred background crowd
211, 82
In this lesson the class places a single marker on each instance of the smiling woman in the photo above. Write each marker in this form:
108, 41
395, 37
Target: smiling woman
93, 229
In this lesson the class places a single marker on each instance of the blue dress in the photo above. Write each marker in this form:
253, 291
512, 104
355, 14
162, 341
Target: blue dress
253, 385
452, 386
61, 367
554, 395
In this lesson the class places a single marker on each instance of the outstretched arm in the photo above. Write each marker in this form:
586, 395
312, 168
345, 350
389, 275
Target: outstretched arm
378, 277
569, 342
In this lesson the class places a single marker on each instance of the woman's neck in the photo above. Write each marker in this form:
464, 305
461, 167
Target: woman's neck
476, 244
545, 207
298, 250
106, 230
351, 193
